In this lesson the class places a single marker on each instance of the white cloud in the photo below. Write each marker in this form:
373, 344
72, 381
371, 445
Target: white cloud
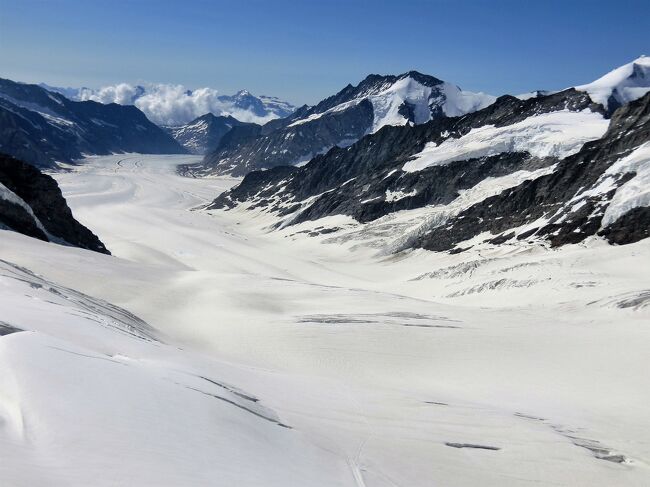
166, 104
123, 94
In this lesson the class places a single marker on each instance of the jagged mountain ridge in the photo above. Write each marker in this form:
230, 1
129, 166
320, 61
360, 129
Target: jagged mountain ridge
572, 202
204, 133
462, 164
31, 203
44, 128
354, 181
341, 120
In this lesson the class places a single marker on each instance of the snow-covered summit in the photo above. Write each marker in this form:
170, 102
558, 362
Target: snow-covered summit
622, 85
410, 98
397, 100
424, 101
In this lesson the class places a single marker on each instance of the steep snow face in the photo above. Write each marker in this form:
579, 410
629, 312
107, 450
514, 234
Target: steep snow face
459, 102
386, 105
635, 192
557, 134
622, 85
423, 100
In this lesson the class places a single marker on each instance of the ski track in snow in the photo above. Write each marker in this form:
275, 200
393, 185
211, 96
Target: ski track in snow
178, 360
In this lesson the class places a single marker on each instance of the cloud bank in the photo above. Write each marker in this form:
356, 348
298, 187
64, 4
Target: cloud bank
166, 104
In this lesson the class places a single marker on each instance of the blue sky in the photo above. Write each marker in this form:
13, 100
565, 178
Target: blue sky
305, 50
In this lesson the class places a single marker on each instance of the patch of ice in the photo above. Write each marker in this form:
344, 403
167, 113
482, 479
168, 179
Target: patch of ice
392, 196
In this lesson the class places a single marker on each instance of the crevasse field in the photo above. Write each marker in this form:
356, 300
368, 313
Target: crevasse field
211, 351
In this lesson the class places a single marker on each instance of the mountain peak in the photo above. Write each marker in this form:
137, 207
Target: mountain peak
425, 79
389, 79
621, 85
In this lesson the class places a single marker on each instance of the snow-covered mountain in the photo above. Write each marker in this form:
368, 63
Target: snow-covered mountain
256, 109
203, 134
397, 100
31, 203
342, 119
174, 105
622, 85
551, 167
43, 127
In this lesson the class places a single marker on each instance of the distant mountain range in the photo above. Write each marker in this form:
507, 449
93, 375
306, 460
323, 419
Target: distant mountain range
341, 120
552, 167
459, 168
175, 105
203, 134
43, 127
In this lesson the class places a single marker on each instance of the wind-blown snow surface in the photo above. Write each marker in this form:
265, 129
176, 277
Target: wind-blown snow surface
557, 134
279, 359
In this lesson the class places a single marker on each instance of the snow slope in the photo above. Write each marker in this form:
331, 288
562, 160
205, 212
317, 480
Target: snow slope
635, 192
505, 367
622, 85
557, 134
90, 396
453, 101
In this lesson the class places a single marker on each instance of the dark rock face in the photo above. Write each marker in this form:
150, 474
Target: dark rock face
292, 143
557, 196
629, 228
365, 181
42, 202
28, 136
354, 181
203, 134
43, 128
339, 120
